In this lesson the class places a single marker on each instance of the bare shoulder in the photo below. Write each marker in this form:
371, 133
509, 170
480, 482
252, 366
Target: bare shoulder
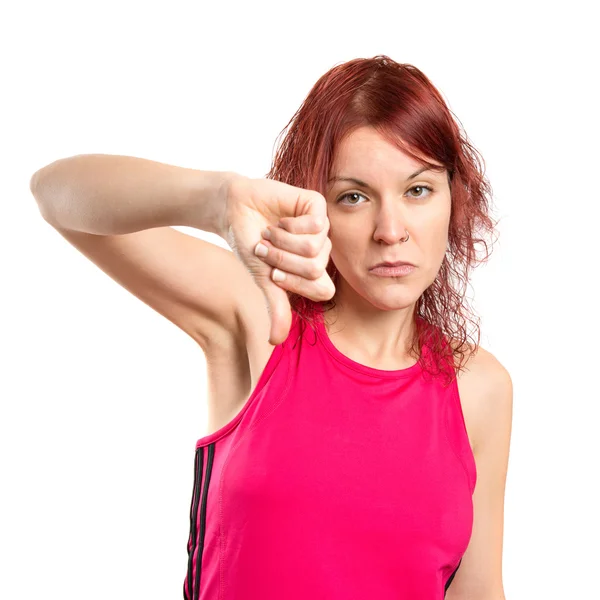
483, 368
485, 389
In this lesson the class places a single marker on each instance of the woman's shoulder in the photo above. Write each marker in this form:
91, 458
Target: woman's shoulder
485, 387
481, 364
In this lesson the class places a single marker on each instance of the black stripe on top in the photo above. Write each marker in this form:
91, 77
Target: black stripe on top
451, 578
202, 533
198, 465
196, 542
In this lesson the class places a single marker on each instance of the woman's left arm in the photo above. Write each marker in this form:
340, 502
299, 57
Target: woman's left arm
490, 413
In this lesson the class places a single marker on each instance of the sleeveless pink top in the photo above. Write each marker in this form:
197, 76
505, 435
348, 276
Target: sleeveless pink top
335, 481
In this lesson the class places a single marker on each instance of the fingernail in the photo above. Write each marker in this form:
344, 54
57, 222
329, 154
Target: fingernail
278, 275
261, 250
266, 233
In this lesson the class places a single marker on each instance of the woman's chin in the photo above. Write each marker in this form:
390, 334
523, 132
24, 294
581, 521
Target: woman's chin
392, 300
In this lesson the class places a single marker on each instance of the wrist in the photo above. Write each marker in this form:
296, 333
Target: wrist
206, 206
221, 217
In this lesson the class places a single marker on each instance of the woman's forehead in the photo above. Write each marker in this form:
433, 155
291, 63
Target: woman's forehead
367, 151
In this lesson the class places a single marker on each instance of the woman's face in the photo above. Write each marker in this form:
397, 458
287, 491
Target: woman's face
367, 223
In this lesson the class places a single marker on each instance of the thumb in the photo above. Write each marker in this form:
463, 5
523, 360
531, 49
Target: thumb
280, 311
308, 204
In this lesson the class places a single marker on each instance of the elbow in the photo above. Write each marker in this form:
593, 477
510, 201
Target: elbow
39, 181
37, 188
34, 184
46, 190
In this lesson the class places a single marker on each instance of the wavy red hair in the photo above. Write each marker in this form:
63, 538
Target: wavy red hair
402, 104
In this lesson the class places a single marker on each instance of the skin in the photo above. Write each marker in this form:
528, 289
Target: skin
373, 319
371, 322
160, 266
373, 314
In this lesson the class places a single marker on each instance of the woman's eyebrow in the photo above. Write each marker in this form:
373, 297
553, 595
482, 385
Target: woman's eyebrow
366, 185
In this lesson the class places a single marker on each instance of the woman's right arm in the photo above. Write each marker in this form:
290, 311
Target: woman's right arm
118, 212
108, 194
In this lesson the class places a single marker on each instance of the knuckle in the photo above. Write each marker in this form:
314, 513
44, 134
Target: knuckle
312, 248
315, 271
287, 224
324, 287
326, 249
319, 198
277, 258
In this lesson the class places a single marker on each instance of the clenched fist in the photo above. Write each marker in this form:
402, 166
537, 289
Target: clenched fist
298, 247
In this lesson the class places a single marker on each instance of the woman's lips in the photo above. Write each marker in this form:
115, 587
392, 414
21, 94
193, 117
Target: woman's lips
393, 271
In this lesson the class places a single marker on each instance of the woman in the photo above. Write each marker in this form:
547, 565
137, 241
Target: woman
365, 454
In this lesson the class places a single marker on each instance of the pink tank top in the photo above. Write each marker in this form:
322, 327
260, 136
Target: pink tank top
335, 481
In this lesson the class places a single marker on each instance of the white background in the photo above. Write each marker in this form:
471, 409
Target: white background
102, 399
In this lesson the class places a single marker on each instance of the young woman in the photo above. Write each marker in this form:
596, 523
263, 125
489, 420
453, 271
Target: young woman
358, 442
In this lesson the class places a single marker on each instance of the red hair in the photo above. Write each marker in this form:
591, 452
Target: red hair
400, 102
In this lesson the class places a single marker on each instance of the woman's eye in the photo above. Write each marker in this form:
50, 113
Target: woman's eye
421, 188
348, 195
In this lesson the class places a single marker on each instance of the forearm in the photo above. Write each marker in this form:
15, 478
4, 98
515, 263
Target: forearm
111, 194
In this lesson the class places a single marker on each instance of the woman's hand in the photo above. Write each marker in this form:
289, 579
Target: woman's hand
298, 247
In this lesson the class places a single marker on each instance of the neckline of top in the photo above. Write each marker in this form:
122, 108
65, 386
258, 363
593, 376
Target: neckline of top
357, 366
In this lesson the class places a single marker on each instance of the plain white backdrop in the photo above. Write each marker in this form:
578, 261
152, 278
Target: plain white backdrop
102, 399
